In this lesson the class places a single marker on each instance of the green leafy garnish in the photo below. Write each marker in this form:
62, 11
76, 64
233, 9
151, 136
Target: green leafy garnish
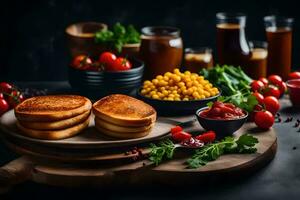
244, 144
234, 83
118, 36
164, 150
210, 152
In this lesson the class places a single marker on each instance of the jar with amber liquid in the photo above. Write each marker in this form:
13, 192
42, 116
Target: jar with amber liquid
161, 50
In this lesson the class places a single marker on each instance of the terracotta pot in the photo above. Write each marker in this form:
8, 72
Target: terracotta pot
81, 38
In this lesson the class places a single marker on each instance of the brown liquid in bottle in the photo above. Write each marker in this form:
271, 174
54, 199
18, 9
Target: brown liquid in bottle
257, 64
279, 51
232, 46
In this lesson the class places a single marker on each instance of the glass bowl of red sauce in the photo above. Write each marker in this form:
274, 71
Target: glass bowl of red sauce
223, 118
294, 91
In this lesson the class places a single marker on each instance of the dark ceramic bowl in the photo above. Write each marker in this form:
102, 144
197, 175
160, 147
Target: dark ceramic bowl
174, 108
96, 84
222, 128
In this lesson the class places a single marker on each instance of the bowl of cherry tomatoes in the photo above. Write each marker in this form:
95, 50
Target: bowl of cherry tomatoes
105, 75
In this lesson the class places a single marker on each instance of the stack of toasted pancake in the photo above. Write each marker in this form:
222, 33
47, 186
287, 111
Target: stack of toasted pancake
122, 116
53, 117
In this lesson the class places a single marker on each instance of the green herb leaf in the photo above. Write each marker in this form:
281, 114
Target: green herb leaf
118, 36
165, 149
210, 152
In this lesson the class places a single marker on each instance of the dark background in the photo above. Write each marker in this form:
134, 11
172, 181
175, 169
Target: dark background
32, 45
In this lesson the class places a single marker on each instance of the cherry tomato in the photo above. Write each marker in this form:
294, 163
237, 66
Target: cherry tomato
282, 88
275, 79
82, 62
120, 64
272, 91
181, 136
294, 75
264, 119
15, 98
264, 81
259, 97
3, 106
176, 129
207, 137
107, 58
272, 104
257, 85
1, 96
5, 88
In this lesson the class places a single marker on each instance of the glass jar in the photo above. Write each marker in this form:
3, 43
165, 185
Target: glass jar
232, 45
279, 37
197, 58
161, 50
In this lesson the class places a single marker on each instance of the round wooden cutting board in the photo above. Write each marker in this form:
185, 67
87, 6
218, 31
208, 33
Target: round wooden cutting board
143, 171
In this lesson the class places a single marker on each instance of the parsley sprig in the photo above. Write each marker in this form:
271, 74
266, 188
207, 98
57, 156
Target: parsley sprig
210, 152
165, 149
243, 145
118, 36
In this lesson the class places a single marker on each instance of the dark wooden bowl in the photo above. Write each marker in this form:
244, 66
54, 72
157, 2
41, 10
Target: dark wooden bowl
174, 108
81, 38
95, 84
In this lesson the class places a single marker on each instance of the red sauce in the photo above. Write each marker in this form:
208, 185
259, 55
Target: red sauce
223, 111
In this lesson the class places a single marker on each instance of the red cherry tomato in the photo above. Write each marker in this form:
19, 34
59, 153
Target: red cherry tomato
294, 75
5, 88
257, 85
264, 81
3, 106
272, 104
1, 96
207, 137
275, 79
181, 136
15, 98
176, 129
259, 97
272, 91
120, 64
282, 88
82, 62
264, 119
107, 58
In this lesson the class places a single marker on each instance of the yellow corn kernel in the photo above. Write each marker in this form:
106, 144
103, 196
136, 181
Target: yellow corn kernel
159, 77
170, 98
185, 99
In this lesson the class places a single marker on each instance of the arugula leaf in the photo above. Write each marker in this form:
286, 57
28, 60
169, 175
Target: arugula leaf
210, 152
164, 150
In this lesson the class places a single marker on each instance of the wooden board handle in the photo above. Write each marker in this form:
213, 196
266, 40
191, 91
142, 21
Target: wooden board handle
15, 172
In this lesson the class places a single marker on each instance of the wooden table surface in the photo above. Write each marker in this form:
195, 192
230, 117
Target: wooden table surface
280, 179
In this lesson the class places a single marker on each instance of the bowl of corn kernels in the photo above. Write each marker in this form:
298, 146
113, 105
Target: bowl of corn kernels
177, 93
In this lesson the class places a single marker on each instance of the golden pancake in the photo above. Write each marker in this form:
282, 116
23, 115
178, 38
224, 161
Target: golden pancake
124, 110
52, 108
56, 125
129, 135
120, 129
54, 134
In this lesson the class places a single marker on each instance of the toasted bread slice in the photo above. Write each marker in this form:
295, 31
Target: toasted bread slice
54, 134
124, 110
52, 108
120, 129
56, 125
128, 135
